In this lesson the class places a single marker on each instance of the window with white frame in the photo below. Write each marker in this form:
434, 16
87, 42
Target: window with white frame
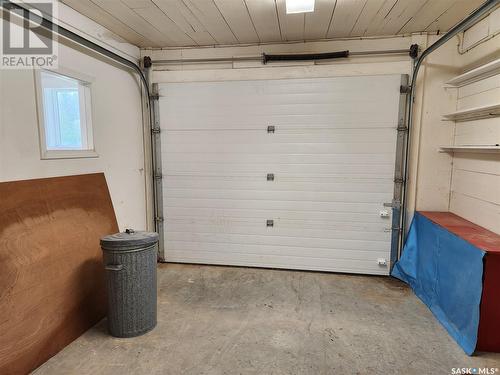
65, 116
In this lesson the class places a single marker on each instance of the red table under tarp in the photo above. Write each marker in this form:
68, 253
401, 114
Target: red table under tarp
489, 319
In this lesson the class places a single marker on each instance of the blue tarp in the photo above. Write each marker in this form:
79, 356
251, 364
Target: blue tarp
446, 273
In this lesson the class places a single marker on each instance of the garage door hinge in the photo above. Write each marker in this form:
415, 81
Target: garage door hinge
158, 176
393, 204
393, 229
154, 97
159, 219
271, 129
399, 180
156, 130
401, 127
404, 89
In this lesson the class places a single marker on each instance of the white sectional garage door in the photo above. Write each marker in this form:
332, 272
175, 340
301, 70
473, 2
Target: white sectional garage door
332, 155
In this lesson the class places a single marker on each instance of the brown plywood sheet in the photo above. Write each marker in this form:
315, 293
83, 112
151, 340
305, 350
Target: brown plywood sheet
51, 273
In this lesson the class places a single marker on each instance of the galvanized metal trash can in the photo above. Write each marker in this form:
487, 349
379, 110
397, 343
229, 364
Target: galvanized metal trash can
130, 263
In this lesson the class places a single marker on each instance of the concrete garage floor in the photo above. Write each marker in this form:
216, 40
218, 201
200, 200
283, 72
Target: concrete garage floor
228, 320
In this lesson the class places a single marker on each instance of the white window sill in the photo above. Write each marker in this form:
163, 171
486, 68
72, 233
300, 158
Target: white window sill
69, 154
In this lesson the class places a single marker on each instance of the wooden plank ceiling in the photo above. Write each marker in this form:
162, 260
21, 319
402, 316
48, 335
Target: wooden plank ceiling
177, 23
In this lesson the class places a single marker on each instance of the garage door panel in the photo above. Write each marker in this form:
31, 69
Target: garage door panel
271, 100
332, 154
368, 247
206, 98
259, 182
379, 135
283, 148
330, 244
285, 106
352, 85
177, 167
224, 98
315, 228
357, 207
219, 92
359, 110
281, 123
262, 250
285, 237
236, 176
231, 121
270, 195
291, 159
177, 213
243, 258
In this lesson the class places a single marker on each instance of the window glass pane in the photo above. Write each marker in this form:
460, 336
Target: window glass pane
62, 112
68, 104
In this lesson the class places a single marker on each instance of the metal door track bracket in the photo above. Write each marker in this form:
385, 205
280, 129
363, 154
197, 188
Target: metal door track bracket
404, 89
414, 51
148, 63
392, 229
154, 97
156, 130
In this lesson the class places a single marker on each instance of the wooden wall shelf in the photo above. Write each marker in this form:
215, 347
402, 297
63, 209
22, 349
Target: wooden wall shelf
476, 113
477, 74
476, 149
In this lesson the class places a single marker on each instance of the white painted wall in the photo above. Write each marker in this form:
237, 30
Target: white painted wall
118, 132
481, 32
475, 183
430, 171
466, 184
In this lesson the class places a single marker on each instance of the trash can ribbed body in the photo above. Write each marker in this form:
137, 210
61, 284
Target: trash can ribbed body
130, 263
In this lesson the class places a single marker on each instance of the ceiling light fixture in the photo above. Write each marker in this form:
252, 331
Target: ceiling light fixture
299, 6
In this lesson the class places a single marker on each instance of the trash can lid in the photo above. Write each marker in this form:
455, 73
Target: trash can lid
129, 239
